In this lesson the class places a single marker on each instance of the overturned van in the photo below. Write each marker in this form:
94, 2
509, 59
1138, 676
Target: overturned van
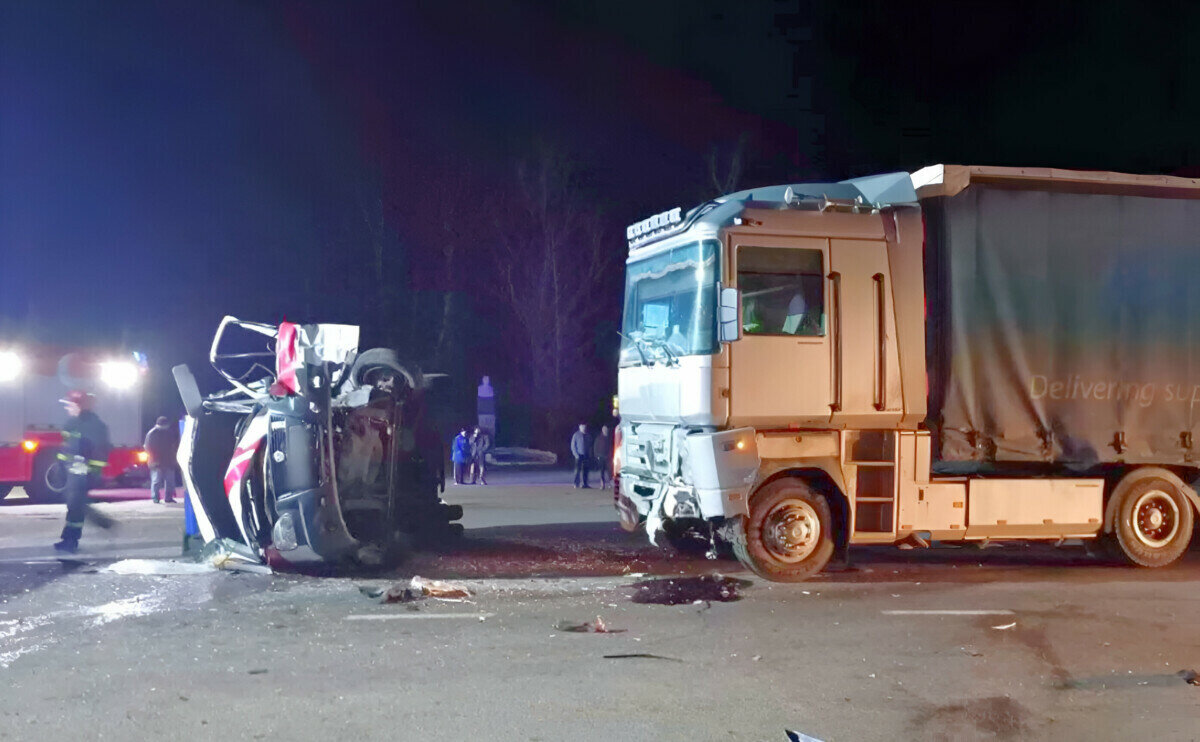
316, 453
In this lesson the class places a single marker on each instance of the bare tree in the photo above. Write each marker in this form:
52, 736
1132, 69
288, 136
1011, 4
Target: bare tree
551, 262
725, 167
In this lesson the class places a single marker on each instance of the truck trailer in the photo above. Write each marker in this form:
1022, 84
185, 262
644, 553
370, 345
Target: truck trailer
962, 353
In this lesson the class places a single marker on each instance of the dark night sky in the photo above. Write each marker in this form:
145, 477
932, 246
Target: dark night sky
165, 163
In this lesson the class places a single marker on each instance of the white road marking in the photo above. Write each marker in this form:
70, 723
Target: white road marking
397, 616
999, 612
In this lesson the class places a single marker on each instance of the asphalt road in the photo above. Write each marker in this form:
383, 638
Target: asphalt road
1008, 643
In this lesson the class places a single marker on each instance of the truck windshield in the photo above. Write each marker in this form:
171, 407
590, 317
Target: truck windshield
670, 305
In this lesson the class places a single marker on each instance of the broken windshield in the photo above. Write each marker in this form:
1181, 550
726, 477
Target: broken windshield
670, 304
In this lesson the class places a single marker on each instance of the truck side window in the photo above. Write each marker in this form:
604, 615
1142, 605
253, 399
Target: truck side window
783, 291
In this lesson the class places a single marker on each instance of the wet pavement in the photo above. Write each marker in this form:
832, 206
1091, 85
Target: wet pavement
946, 644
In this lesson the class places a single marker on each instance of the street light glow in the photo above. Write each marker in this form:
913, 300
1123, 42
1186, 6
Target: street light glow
11, 365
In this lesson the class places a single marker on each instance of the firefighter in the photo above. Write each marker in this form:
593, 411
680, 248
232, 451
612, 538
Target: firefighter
84, 453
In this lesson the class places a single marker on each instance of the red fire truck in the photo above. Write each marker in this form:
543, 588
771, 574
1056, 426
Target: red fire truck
32, 381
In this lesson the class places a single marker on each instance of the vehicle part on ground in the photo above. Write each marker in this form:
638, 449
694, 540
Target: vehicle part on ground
317, 453
1152, 519
789, 532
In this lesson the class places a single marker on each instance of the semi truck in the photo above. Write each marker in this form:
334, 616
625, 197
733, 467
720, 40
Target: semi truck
958, 354
33, 378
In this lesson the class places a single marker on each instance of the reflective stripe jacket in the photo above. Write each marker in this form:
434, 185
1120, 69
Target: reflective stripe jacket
86, 435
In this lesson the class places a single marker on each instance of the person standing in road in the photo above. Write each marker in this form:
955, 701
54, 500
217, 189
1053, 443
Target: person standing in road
581, 451
481, 443
602, 452
460, 455
161, 446
84, 453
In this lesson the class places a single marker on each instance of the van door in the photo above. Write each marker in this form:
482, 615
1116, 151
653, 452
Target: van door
780, 369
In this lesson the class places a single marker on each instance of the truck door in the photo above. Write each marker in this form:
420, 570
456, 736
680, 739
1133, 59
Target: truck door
780, 369
866, 368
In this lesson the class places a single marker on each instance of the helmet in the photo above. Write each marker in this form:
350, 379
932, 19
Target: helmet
84, 400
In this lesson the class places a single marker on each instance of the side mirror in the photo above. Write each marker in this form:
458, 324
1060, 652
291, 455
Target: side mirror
730, 327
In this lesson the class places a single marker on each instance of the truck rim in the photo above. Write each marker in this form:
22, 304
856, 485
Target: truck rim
791, 530
1155, 519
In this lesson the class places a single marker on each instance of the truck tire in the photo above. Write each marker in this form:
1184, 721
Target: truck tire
1152, 518
39, 489
789, 532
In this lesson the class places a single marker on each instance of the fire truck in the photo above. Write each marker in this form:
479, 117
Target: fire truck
33, 378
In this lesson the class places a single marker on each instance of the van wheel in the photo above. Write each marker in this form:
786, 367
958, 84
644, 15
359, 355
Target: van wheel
1152, 518
789, 533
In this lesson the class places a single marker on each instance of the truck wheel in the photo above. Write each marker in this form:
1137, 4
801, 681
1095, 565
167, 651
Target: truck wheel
45, 474
789, 533
1152, 518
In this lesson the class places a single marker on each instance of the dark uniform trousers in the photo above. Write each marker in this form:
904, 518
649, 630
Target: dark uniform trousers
79, 507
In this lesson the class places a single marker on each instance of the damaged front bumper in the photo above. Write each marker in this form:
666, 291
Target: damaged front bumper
707, 476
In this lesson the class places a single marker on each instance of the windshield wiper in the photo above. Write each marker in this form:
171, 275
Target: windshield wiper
637, 343
663, 345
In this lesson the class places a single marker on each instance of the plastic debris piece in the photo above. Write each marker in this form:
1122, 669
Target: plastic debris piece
224, 553
1005, 627
439, 589
1189, 676
794, 736
258, 671
599, 627
401, 594
371, 591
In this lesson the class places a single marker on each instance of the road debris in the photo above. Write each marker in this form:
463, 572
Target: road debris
588, 627
419, 588
1005, 627
257, 671
224, 553
683, 590
971, 651
794, 736
640, 655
